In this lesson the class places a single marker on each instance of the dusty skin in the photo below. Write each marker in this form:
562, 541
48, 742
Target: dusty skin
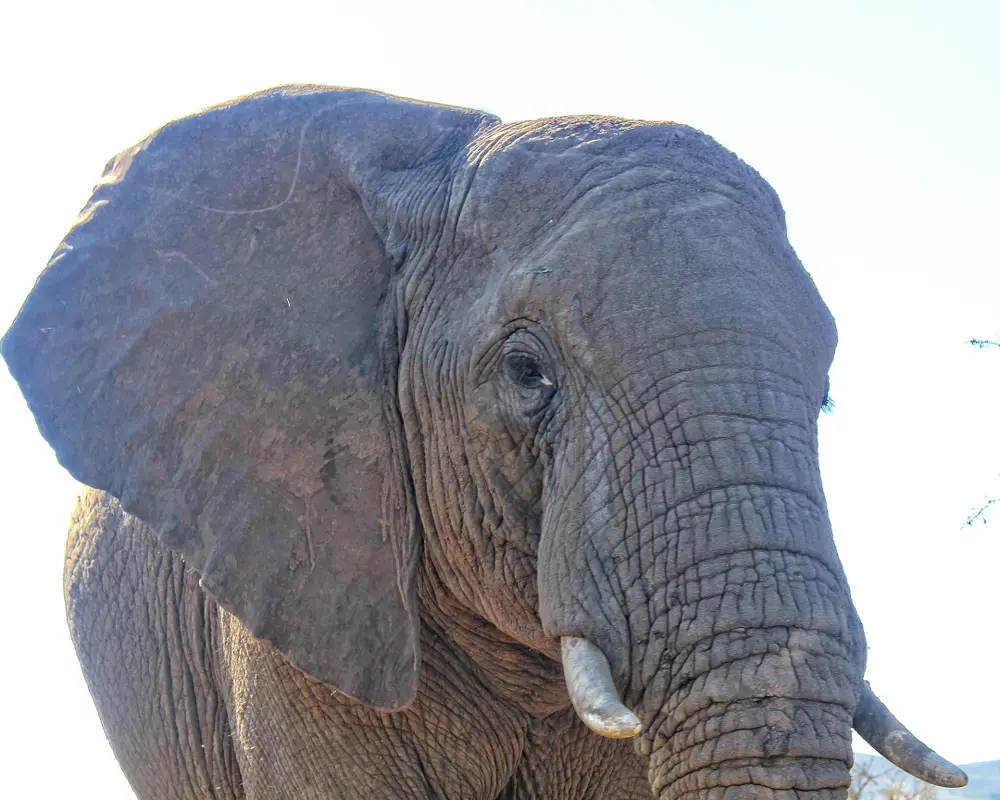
389, 409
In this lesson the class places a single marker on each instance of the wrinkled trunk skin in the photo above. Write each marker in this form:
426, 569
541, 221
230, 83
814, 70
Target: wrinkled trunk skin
689, 539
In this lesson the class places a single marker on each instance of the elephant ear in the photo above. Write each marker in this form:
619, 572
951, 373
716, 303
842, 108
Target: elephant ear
213, 344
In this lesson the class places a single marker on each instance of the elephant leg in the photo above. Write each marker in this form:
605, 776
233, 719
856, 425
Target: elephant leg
143, 630
563, 760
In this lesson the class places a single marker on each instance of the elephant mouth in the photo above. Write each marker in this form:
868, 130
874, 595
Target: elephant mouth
598, 704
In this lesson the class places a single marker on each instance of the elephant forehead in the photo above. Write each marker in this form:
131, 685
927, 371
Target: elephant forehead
648, 266
523, 178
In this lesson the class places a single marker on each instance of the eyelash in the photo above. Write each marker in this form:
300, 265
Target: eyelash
525, 370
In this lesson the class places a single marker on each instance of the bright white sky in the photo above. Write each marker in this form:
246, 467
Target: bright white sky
877, 123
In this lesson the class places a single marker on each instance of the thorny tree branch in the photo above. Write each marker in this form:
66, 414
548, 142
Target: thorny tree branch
863, 778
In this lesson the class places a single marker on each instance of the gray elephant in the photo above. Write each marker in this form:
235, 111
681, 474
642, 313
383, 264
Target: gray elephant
421, 444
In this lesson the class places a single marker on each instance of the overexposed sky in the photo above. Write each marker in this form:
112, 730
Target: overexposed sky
877, 123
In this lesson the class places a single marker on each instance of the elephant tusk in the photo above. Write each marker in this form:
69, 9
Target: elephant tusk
889, 736
588, 678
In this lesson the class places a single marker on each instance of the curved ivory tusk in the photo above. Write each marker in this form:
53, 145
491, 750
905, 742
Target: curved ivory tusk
588, 678
889, 736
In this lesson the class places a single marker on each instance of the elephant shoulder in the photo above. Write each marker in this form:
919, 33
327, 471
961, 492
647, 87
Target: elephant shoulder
142, 628
115, 567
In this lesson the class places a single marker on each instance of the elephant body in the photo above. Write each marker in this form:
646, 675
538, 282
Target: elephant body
197, 707
438, 457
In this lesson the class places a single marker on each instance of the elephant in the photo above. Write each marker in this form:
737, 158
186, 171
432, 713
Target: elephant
431, 456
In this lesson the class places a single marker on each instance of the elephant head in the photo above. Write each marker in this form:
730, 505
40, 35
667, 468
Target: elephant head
327, 342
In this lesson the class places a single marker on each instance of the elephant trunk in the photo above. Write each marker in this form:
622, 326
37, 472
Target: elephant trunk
742, 664
689, 569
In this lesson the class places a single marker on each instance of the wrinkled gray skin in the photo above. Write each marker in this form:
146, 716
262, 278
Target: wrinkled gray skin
392, 397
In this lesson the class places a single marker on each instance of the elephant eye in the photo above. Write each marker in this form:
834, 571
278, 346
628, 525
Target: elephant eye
525, 370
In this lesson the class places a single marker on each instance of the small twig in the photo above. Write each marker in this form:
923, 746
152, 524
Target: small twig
982, 344
981, 513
